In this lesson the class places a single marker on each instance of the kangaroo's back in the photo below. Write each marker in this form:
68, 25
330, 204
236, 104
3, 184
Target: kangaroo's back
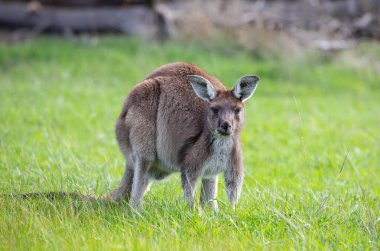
161, 113
181, 70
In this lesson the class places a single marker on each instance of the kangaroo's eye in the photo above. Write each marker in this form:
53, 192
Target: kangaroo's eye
237, 110
215, 110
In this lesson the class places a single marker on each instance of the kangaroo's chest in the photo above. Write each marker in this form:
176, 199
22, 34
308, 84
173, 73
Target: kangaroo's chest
219, 159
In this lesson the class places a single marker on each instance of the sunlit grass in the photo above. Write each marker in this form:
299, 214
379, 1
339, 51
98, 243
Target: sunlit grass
58, 103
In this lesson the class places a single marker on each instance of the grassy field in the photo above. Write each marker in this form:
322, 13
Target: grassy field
59, 100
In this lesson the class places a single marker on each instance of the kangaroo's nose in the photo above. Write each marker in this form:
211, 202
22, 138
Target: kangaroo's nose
225, 128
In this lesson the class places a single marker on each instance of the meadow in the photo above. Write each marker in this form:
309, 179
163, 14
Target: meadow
311, 149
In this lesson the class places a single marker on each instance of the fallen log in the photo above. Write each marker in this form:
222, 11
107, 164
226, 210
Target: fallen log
132, 20
85, 3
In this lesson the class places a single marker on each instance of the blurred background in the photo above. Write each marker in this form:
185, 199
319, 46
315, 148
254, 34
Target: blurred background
279, 25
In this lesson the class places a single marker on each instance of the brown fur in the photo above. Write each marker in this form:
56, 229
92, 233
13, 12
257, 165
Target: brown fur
165, 127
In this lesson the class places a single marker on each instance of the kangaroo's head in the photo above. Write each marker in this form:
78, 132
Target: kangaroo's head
225, 116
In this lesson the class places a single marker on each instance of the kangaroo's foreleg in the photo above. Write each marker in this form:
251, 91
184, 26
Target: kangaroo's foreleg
234, 176
188, 185
209, 190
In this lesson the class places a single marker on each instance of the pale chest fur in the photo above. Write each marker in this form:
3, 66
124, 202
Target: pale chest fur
220, 159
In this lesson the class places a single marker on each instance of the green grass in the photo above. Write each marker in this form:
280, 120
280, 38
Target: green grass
59, 100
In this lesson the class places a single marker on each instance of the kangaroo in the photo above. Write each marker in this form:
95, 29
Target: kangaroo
180, 119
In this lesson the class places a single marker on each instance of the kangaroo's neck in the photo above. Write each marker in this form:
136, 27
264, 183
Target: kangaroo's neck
220, 155
217, 143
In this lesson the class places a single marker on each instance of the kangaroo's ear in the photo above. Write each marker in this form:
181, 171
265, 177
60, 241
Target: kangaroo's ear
245, 87
202, 87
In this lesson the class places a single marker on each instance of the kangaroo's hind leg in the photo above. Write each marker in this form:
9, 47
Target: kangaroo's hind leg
136, 135
123, 192
140, 182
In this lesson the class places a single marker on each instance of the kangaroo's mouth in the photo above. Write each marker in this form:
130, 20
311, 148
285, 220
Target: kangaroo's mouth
224, 132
